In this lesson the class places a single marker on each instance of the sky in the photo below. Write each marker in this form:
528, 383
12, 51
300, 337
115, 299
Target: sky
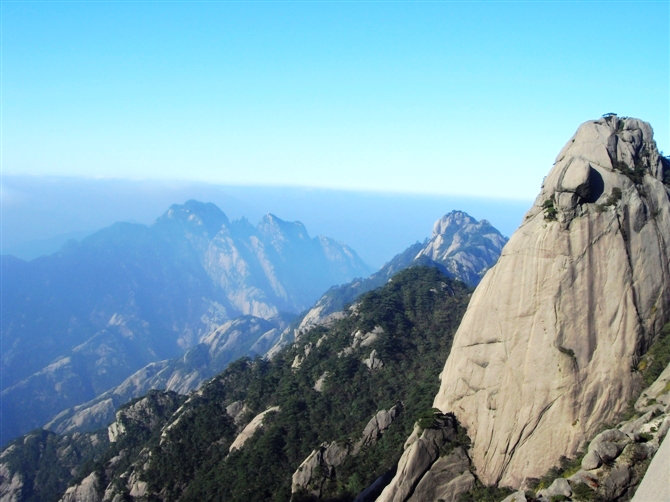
469, 98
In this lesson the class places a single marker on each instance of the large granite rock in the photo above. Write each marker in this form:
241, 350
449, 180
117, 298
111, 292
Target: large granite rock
432, 467
544, 352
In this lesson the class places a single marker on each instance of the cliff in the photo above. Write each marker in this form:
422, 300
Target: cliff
547, 349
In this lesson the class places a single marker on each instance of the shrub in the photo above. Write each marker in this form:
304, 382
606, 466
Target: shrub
550, 211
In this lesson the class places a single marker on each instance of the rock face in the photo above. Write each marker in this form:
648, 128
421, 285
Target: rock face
545, 351
87, 491
425, 471
617, 458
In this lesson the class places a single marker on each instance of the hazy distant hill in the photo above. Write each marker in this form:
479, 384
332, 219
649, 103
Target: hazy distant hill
39, 214
460, 246
80, 321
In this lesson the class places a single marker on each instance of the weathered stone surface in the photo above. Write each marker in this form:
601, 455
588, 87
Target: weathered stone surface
465, 246
657, 393
255, 424
377, 426
616, 482
591, 461
236, 410
418, 460
321, 464
519, 496
321, 381
86, 491
146, 413
373, 362
447, 478
655, 485
11, 484
318, 467
413, 464
608, 444
544, 353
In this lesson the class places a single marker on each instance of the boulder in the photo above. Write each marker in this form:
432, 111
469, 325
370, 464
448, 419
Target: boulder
86, 491
518, 496
377, 426
420, 465
446, 480
373, 362
560, 487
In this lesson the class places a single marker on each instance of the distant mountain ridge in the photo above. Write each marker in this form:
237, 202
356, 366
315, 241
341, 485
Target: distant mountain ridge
78, 322
462, 247
243, 336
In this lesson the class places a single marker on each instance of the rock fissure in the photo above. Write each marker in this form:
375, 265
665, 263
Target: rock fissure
487, 342
629, 260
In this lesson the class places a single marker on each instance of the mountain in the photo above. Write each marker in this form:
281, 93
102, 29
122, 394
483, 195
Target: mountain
80, 321
556, 382
554, 341
242, 336
462, 246
326, 416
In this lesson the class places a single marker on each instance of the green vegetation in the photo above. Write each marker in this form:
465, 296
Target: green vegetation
46, 461
419, 310
481, 493
566, 468
428, 419
635, 174
582, 491
657, 357
550, 211
611, 200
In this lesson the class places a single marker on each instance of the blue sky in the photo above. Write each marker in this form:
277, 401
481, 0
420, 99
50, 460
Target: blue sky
472, 98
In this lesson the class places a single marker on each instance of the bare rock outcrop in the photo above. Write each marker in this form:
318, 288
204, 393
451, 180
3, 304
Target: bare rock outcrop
321, 465
544, 353
318, 468
255, 424
616, 458
86, 491
432, 467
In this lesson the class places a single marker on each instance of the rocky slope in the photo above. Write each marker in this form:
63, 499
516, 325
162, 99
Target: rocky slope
327, 416
464, 247
242, 336
547, 350
79, 322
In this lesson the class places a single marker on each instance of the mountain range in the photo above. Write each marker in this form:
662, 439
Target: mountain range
459, 243
551, 381
80, 321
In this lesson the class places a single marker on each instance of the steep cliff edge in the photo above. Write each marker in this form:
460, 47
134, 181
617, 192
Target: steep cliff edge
546, 351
